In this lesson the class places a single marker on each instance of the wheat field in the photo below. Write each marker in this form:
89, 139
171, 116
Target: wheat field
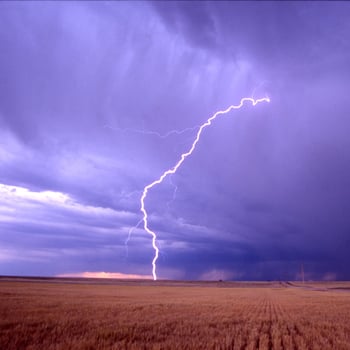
89, 314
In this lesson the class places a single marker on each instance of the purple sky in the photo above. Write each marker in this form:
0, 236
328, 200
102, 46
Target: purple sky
268, 187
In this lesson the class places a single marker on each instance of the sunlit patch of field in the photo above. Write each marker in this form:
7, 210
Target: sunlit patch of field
90, 314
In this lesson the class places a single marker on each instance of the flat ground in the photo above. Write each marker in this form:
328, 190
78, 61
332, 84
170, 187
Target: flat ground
110, 314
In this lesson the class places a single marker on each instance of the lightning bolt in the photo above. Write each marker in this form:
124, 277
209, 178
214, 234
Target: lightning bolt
176, 166
174, 193
156, 133
129, 237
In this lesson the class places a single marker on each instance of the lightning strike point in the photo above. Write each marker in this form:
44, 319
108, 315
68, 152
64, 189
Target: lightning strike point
174, 169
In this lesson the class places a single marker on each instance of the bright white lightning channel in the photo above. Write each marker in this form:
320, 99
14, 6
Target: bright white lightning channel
174, 169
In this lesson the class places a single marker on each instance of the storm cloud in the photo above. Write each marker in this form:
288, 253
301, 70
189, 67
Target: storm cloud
88, 92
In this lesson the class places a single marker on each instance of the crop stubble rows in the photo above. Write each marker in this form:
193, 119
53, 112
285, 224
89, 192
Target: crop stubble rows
92, 316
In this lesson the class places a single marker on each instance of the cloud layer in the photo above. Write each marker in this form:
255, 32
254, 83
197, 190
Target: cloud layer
87, 89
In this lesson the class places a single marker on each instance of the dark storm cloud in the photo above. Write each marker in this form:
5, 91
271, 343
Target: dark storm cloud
193, 21
294, 163
267, 29
267, 188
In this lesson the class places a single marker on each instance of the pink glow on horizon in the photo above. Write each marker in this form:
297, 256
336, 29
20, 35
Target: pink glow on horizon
102, 274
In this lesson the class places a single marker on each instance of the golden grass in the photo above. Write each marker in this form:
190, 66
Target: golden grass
86, 315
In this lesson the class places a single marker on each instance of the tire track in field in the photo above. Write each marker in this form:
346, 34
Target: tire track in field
294, 338
268, 324
254, 324
287, 334
275, 332
260, 319
244, 333
244, 312
265, 331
